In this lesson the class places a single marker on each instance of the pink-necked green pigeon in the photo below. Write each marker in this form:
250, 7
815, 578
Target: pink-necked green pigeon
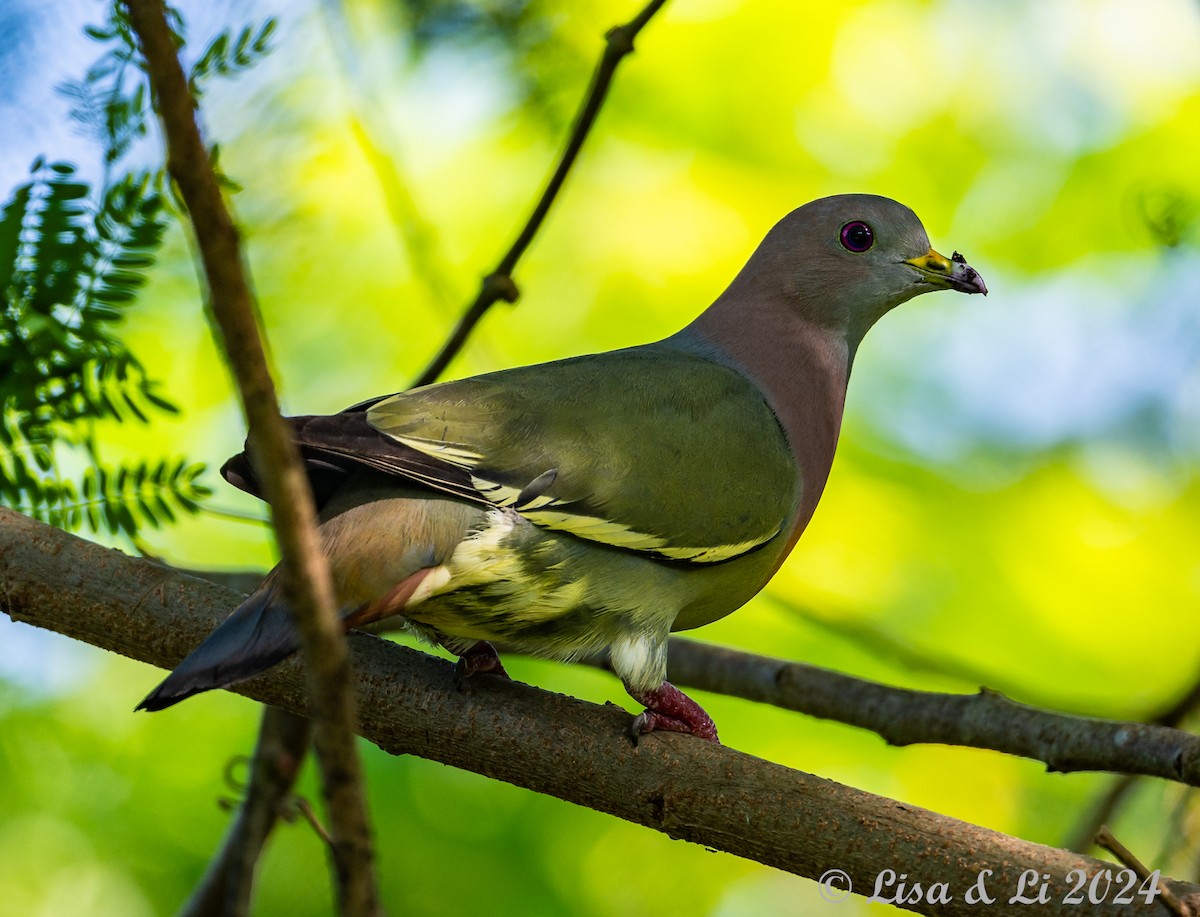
603, 501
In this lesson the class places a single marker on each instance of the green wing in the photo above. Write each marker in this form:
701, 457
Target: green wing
649, 449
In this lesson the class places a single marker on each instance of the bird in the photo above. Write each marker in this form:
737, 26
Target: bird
599, 502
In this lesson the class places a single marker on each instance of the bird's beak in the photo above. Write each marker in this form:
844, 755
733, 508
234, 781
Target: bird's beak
944, 273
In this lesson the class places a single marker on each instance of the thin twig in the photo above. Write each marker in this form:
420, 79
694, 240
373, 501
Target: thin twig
499, 284
279, 753
1175, 835
879, 644
310, 816
1113, 798
1105, 839
307, 582
1107, 806
985, 719
1176, 713
242, 581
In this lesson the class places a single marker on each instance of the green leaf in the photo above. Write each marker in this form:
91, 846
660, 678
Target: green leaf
72, 262
164, 508
111, 296
157, 400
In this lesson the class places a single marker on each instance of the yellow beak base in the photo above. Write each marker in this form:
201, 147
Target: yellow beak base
944, 273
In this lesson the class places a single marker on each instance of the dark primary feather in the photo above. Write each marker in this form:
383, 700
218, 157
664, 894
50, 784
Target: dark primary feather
335, 446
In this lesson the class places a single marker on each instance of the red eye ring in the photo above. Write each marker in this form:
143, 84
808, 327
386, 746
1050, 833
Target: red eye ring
857, 237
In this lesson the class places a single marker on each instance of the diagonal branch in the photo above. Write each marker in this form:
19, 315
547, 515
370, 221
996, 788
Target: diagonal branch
902, 716
418, 239
1105, 839
307, 582
499, 284
567, 748
278, 755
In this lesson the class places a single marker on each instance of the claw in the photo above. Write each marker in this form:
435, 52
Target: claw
670, 710
478, 659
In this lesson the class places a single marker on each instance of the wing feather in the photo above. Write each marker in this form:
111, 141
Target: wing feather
648, 449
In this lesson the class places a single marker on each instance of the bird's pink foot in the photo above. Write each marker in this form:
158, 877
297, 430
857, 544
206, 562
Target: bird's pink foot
478, 659
669, 709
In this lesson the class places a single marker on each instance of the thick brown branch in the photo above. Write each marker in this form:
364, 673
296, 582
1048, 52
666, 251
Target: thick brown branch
905, 717
566, 748
278, 755
499, 284
306, 583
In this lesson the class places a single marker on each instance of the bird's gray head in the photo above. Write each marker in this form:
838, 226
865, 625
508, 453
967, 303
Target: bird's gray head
844, 261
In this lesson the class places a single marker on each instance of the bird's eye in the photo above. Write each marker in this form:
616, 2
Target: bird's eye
857, 237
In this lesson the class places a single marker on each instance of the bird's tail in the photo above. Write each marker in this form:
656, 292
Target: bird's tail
257, 635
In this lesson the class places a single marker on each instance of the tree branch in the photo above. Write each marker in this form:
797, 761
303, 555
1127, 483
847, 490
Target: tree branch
1180, 710
1113, 798
901, 716
278, 755
879, 644
417, 237
499, 284
567, 748
1124, 855
307, 583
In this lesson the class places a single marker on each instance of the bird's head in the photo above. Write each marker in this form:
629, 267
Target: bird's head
845, 261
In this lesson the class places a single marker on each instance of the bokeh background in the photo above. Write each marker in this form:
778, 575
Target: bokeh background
1016, 500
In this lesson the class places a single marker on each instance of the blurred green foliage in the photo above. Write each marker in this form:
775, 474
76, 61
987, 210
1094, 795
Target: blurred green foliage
72, 260
1016, 493
68, 268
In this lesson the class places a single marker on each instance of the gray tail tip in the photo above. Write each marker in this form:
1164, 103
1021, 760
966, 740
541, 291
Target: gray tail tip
251, 640
153, 703
163, 697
